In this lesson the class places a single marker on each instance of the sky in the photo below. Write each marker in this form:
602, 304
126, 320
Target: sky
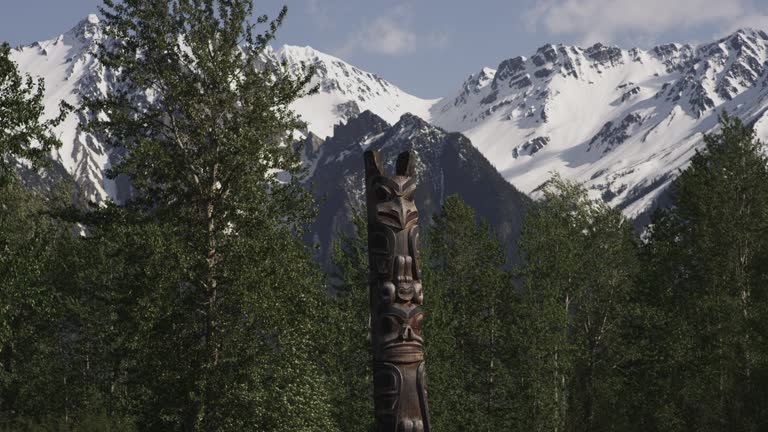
429, 47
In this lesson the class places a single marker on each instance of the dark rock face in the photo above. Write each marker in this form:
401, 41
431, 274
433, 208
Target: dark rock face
490, 98
628, 94
531, 146
522, 82
357, 127
312, 146
733, 61
347, 110
542, 73
699, 101
473, 85
603, 55
744, 72
612, 135
547, 53
508, 68
447, 164
673, 56
568, 65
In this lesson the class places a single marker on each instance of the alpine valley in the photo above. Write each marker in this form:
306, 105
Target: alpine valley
622, 121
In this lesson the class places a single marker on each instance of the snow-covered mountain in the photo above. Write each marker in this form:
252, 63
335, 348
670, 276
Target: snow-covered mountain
345, 91
622, 121
70, 68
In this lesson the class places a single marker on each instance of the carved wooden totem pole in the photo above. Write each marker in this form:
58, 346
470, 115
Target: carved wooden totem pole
399, 380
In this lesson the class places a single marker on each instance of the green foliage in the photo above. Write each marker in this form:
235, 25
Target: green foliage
99, 422
32, 247
578, 275
350, 361
210, 297
28, 306
213, 133
706, 259
467, 294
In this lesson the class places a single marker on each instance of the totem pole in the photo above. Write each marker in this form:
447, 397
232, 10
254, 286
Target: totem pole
399, 380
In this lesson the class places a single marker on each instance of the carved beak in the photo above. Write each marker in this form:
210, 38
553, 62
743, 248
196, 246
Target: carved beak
407, 334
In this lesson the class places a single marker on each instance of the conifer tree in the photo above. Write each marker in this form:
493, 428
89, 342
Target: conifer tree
351, 359
706, 279
579, 259
466, 288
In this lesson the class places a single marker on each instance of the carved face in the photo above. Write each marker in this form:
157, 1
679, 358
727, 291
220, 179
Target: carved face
393, 229
396, 295
400, 331
393, 200
390, 199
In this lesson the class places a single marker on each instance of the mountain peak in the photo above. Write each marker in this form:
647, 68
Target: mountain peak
298, 52
748, 32
604, 55
411, 121
357, 127
88, 24
87, 33
345, 91
306, 54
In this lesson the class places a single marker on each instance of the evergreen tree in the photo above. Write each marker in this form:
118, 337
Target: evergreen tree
466, 290
579, 259
223, 308
707, 270
351, 358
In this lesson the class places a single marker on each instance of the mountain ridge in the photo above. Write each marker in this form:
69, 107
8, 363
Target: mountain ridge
623, 121
446, 164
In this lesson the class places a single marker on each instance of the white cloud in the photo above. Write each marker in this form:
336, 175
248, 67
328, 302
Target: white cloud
385, 36
436, 40
606, 20
390, 35
757, 22
320, 14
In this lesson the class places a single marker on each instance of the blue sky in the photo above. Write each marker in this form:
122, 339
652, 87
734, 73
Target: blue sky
428, 47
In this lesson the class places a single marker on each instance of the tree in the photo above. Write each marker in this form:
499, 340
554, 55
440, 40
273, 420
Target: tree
468, 352
31, 246
28, 304
225, 322
707, 272
466, 289
579, 264
351, 358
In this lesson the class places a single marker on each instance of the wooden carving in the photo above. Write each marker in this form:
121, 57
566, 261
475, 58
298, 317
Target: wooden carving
396, 294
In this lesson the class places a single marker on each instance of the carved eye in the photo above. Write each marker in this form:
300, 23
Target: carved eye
409, 195
416, 323
383, 194
388, 325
